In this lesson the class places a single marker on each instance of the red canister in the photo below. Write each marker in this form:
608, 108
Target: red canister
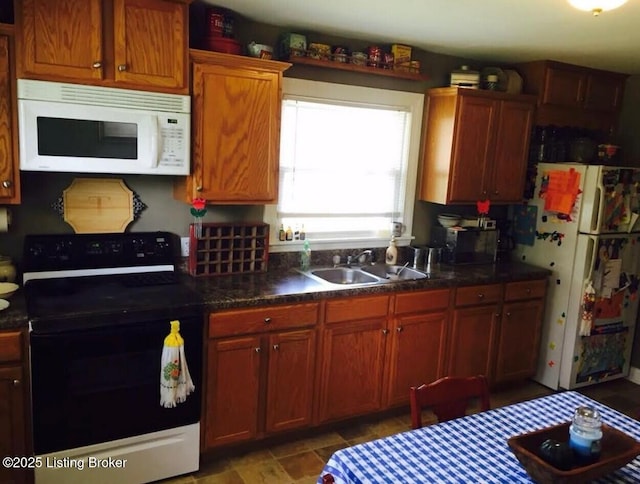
215, 22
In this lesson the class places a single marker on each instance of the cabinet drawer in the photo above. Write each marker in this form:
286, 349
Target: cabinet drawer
415, 302
245, 321
10, 346
525, 290
357, 308
487, 293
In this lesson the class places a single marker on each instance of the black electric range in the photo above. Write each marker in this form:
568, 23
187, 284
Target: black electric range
89, 280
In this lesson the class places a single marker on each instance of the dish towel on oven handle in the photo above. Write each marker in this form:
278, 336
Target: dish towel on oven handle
175, 381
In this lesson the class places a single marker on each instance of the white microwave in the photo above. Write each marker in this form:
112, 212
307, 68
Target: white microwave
93, 129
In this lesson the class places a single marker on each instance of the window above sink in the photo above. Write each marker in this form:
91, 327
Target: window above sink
348, 164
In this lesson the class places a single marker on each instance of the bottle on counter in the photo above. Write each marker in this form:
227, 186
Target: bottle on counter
289, 233
281, 234
305, 256
391, 255
303, 234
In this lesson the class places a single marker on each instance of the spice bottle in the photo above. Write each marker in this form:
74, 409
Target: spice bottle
281, 233
289, 233
391, 255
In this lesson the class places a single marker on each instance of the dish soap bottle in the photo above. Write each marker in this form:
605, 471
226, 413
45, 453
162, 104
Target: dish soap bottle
305, 256
391, 256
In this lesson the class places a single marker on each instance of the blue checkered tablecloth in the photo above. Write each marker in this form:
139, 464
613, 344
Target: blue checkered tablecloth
471, 449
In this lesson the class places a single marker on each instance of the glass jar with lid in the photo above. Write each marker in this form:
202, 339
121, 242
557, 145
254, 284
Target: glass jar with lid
585, 433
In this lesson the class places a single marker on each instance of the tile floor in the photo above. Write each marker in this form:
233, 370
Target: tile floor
300, 461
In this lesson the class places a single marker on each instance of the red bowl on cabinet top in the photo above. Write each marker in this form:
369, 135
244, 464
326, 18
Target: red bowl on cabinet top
223, 44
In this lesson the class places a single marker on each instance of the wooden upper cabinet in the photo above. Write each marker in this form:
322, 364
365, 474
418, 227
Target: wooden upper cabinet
9, 175
236, 130
476, 146
119, 43
61, 38
150, 42
571, 95
604, 91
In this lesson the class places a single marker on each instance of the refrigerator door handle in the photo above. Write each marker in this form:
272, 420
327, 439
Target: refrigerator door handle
593, 255
596, 216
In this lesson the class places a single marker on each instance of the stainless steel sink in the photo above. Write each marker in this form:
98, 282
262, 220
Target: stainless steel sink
344, 275
390, 272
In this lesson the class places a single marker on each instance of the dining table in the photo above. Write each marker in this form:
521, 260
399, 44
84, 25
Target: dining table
470, 449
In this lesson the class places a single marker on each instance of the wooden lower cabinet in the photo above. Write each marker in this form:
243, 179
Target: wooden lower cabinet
290, 380
352, 364
416, 343
233, 388
473, 331
520, 329
473, 336
13, 399
263, 382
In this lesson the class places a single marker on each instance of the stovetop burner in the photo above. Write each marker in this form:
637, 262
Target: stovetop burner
86, 280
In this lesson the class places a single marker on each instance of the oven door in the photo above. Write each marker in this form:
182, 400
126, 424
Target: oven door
102, 384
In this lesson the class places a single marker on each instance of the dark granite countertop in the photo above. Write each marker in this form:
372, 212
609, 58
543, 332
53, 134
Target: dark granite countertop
290, 286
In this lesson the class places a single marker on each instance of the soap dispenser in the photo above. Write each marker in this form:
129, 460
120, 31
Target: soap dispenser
391, 256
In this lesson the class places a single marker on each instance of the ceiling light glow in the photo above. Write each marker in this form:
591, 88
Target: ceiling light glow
596, 6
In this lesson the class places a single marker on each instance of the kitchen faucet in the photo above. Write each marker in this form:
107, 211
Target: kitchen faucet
354, 259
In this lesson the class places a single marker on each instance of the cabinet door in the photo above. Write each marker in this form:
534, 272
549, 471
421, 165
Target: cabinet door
291, 380
61, 38
417, 345
150, 43
9, 180
352, 362
564, 87
12, 424
519, 340
472, 341
233, 380
604, 92
472, 149
236, 134
511, 151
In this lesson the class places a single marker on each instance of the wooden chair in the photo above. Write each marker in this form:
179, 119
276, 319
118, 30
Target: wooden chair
448, 397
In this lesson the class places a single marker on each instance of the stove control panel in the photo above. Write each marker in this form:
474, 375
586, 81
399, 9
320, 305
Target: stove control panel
96, 251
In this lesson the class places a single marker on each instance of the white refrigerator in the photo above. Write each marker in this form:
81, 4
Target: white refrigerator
581, 224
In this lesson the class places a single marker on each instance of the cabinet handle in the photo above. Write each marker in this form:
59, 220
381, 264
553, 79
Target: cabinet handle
267, 320
16, 383
480, 295
399, 329
199, 188
497, 315
7, 184
495, 192
276, 347
508, 315
528, 291
122, 67
385, 331
258, 350
96, 65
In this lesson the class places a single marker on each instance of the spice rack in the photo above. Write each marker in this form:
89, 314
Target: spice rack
228, 249
346, 63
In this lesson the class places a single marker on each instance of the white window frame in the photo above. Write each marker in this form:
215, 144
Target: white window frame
389, 99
